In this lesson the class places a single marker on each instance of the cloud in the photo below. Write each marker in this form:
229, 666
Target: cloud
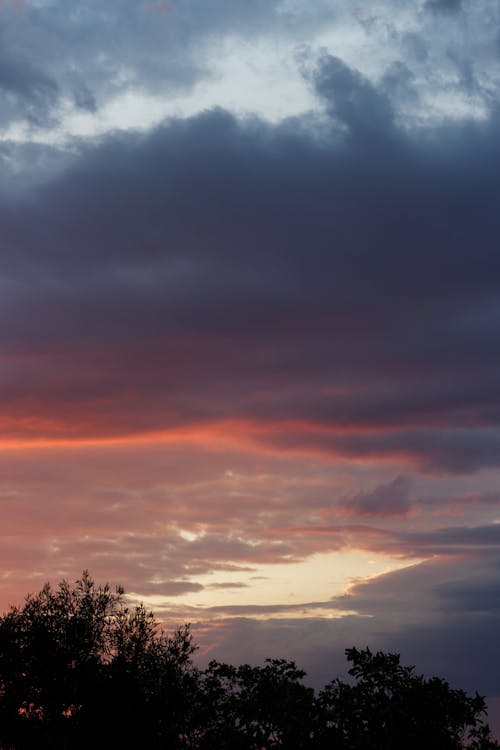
385, 500
462, 596
228, 345
352, 99
232, 276
158, 48
444, 6
456, 450
27, 91
168, 56
227, 585
166, 520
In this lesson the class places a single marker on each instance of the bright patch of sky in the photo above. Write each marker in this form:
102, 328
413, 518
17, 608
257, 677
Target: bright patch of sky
431, 66
317, 579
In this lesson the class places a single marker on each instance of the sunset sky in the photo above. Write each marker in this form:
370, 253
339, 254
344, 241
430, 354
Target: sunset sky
250, 315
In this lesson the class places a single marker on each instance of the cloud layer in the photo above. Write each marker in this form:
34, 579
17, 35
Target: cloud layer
311, 294
251, 337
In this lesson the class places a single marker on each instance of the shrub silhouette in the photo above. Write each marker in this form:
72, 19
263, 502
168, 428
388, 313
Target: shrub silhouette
80, 669
390, 707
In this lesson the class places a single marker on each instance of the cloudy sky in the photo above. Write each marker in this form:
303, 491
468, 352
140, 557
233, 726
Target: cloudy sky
250, 313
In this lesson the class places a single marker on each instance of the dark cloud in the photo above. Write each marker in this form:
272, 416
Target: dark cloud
463, 596
464, 501
447, 541
222, 270
84, 99
456, 450
227, 585
20, 77
444, 6
444, 618
354, 100
27, 92
385, 500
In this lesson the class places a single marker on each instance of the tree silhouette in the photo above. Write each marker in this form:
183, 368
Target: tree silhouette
80, 669
390, 707
256, 708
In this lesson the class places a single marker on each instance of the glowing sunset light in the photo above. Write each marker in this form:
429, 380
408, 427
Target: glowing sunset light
249, 361
285, 584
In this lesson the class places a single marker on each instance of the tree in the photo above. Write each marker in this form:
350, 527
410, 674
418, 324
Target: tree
78, 668
390, 707
255, 708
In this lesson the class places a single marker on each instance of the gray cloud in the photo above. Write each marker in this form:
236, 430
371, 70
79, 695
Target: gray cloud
385, 500
157, 48
354, 311
464, 596
163, 48
27, 92
354, 101
444, 6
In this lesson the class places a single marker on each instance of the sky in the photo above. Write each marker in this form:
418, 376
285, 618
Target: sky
249, 318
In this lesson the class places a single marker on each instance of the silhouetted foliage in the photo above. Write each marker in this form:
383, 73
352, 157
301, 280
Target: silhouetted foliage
80, 669
389, 707
256, 708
